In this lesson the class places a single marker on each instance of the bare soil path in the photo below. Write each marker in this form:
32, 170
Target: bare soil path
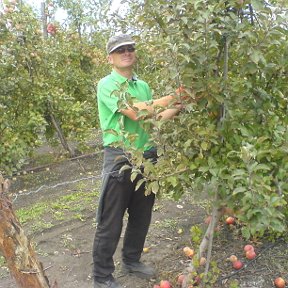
63, 238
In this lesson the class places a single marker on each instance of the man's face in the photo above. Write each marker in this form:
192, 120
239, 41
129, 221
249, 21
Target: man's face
123, 57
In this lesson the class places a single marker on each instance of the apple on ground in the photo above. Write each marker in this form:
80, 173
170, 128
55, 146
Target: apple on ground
250, 254
248, 247
202, 261
165, 284
188, 251
180, 279
146, 249
237, 265
233, 258
279, 282
230, 220
156, 286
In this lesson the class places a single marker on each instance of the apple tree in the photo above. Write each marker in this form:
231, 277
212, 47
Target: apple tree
18, 120
47, 83
230, 142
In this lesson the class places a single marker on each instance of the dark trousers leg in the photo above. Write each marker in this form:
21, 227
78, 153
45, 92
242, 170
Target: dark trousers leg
120, 194
109, 227
140, 212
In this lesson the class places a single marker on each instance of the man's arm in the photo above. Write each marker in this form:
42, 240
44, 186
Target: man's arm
169, 113
150, 106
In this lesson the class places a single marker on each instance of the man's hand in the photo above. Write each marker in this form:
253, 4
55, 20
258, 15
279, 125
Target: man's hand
185, 95
181, 90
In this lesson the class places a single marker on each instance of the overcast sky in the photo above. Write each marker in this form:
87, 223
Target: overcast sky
36, 4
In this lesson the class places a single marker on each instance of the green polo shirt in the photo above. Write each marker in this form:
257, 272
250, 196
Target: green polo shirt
118, 129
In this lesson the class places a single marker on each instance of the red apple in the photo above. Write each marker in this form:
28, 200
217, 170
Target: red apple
279, 282
250, 254
248, 247
156, 286
237, 265
180, 279
51, 28
165, 284
230, 220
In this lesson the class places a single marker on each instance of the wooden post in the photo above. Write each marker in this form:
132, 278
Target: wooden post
16, 248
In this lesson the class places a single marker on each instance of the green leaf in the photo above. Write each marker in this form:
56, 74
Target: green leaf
139, 183
246, 233
261, 167
239, 190
154, 187
204, 146
134, 176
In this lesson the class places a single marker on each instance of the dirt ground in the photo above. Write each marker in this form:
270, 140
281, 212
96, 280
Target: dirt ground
64, 246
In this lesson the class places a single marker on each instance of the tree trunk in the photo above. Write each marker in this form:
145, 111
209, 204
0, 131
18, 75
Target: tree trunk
44, 20
51, 115
16, 248
61, 136
206, 244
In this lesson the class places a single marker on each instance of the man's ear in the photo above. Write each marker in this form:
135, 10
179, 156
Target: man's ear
110, 59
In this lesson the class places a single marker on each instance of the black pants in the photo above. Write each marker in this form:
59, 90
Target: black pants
119, 196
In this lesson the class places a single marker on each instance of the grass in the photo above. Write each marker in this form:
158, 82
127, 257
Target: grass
171, 224
4, 271
42, 215
43, 159
2, 261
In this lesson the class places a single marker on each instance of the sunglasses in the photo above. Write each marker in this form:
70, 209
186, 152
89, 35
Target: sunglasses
123, 49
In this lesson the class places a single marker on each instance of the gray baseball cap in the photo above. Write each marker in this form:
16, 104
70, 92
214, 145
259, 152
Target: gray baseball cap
118, 41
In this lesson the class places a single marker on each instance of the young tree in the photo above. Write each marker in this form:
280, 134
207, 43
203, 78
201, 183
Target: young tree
231, 140
47, 84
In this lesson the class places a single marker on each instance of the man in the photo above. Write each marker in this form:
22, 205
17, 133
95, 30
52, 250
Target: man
118, 122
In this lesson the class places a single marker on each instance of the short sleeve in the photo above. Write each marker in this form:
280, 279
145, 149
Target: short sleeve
105, 97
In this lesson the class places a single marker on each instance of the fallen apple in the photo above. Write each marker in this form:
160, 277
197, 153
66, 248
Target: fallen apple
146, 249
250, 254
279, 282
188, 251
202, 261
230, 220
165, 284
248, 247
180, 279
233, 258
237, 265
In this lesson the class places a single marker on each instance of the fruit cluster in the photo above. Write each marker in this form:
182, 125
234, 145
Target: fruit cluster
250, 254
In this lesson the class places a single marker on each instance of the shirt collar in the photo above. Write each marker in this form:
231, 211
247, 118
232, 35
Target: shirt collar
121, 79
